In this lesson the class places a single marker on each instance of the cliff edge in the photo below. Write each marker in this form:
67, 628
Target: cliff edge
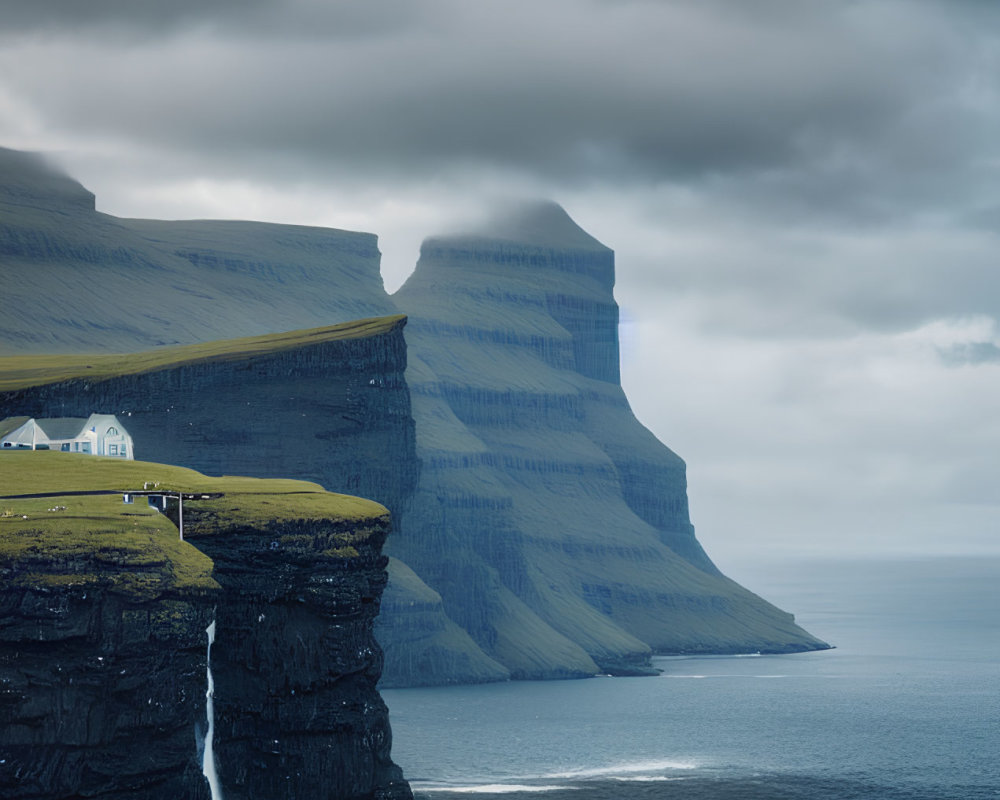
105, 616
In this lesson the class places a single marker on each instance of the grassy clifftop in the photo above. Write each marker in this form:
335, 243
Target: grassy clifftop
20, 372
69, 538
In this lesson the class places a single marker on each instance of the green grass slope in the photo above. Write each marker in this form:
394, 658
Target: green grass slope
20, 372
69, 538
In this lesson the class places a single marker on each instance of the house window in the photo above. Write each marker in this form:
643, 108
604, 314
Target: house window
112, 449
112, 431
6, 444
85, 448
65, 447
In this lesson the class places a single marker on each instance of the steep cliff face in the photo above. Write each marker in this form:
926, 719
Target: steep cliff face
570, 517
297, 713
118, 285
424, 645
102, 645
103, 621
100, 694
328, 405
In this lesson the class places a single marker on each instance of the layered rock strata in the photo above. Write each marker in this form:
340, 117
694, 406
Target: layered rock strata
571, 520
329, 405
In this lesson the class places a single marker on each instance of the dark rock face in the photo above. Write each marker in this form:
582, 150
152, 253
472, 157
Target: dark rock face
295, 662
336, 412
104, 641
100, 695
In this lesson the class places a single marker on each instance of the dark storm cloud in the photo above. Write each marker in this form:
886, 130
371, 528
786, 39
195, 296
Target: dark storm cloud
570, 90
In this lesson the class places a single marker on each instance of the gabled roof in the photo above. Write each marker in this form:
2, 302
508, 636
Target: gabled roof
62, 427
11, 424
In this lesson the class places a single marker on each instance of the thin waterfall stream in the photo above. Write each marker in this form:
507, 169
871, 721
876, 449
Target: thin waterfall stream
208, 759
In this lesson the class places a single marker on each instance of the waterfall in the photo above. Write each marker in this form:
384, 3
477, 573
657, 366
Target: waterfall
208, 759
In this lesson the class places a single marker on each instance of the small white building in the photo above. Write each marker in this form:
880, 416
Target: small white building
98, 434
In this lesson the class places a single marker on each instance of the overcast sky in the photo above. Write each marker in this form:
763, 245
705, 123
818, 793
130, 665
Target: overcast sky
803, 197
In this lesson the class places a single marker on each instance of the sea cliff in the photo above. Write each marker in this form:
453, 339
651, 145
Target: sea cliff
104, 614
577, 551
541, 530
328, 405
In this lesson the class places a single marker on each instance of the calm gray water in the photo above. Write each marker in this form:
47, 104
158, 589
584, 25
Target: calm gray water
907, 706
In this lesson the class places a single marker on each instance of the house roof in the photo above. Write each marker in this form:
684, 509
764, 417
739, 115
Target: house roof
62, 427
11, 424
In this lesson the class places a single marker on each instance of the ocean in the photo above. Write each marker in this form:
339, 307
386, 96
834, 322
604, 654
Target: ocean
907, 706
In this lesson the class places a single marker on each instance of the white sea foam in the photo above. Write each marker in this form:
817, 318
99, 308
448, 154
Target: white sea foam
633, 771
722, 675
624, 769
487, 788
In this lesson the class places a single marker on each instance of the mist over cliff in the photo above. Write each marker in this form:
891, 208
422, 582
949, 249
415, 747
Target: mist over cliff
540, 530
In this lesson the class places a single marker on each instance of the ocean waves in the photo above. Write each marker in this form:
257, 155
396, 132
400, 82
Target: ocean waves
703, 786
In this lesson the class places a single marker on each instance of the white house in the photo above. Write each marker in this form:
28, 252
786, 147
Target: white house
98, 434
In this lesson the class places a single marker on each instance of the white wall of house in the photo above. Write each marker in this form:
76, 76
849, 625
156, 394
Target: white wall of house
84, 442
111, 438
